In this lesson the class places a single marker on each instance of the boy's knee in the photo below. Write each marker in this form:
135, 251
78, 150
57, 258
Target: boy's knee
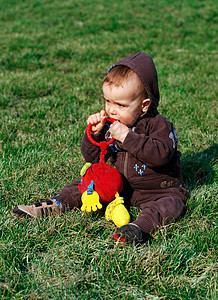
158, 213
170, 206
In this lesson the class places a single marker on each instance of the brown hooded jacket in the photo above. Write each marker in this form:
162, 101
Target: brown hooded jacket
148, 157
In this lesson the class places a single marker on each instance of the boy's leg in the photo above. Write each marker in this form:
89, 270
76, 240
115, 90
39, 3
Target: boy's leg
70, 196
155, 214
67, 199
157, 208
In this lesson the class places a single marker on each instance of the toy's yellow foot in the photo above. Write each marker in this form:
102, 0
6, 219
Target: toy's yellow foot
117, 212
90, 202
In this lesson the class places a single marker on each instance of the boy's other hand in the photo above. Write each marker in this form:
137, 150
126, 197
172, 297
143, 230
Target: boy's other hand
118, 131
97, 120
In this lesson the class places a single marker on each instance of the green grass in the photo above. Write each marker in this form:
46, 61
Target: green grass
54, 55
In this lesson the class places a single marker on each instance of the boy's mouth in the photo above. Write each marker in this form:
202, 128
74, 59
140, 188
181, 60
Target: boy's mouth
114, 119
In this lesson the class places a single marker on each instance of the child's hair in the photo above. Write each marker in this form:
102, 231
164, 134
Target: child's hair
117, 75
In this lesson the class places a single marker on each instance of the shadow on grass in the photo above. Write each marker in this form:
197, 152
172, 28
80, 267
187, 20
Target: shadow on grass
198, 167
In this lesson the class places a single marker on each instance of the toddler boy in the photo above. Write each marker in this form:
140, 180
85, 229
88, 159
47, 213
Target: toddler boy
144, 151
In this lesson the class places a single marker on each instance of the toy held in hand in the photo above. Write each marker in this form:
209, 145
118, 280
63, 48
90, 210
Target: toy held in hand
100, 182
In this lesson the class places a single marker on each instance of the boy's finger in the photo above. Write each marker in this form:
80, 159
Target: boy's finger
103, 117
90, 119
102, 113
103, 121
114, 125
97, 118
94, 119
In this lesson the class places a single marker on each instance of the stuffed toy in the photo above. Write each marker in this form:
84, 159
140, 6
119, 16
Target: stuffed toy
100, 183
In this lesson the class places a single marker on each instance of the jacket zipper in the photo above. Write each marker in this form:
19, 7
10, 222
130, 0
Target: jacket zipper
125, 165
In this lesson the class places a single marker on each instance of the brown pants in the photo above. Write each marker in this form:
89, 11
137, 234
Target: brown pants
158, 207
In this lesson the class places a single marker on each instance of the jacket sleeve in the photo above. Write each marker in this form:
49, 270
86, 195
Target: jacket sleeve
90, 152
156, 146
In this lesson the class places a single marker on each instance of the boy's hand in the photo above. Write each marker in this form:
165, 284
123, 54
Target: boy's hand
97, 120
118, 131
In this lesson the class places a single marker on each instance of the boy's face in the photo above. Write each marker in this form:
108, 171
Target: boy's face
123, 103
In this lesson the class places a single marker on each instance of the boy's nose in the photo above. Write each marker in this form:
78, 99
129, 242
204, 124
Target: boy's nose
112, 110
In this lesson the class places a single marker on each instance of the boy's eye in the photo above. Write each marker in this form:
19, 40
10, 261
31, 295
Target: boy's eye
118, 104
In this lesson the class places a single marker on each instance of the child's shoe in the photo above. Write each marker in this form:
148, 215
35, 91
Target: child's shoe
117, 212
130, 233
44, 208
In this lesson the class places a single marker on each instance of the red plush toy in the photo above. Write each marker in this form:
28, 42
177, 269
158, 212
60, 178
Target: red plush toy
102, 183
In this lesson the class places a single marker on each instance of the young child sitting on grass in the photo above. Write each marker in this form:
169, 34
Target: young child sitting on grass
144, 151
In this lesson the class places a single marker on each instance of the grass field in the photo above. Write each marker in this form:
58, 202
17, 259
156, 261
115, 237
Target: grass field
54, 55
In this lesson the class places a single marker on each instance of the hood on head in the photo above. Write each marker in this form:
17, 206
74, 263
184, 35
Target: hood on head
143, 65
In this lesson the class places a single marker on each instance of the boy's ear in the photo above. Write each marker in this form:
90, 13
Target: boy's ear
145, 104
